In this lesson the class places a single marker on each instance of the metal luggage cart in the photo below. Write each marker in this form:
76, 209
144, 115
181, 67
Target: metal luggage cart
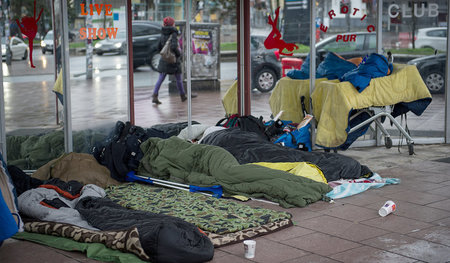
376, 114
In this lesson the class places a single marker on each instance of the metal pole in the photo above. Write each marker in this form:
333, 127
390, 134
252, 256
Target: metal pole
312, 60
68, 140
447, 75
241, 58
188, 46
2, 114
130, 77
89, 48
379, 30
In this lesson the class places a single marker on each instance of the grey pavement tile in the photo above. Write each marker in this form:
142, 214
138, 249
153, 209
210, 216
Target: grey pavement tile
444, 191
289, 233
351, 212
411, 247
435, 177
366, 254
319, 206
300, 214
438, 234
442, 222
444, 205
228, 258
364, 199
24, 251
401, 172
397, 224
417, 212
312, 258
420, 198
413, 184
267, 251
321, 244
426, 166
353, 231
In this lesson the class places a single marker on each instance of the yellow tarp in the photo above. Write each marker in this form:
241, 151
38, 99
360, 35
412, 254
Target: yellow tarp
229, 100
303, 169
58, 86
286, 97
332, 101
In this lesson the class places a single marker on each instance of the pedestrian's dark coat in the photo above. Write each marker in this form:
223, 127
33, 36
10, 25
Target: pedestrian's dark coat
163, 66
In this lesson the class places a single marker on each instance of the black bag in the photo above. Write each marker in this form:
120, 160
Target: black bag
247, 123
121, 152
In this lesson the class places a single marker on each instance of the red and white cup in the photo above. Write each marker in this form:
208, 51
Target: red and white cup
387, 208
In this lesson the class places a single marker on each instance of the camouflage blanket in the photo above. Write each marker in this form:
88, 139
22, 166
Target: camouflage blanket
128, 240
218, 216
125, 240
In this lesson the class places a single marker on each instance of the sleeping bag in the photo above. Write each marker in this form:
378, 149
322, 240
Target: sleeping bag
164, 238
332, 67
246, 147
375, 66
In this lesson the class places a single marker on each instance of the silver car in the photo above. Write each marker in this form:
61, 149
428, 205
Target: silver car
432, 37
113, 45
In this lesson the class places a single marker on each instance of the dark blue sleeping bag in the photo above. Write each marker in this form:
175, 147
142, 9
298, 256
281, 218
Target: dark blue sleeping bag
375, 66
332, 67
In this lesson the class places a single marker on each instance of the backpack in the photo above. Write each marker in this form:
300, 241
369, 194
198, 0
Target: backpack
121, 152
166, 52
247, 123
297, 139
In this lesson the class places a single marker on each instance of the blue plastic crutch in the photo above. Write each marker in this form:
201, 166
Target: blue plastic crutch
215, 189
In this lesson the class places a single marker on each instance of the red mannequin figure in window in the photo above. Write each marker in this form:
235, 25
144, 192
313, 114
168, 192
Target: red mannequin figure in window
274, 40
28, 27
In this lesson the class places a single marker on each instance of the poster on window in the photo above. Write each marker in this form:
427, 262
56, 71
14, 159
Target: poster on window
204, 57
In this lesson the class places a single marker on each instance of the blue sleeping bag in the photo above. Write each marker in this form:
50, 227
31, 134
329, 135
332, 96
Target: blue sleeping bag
332, 67
375, 66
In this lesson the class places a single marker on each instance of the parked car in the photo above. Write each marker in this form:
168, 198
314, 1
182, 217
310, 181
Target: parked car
432, 70
47, 42
265, 67
365, 43
113, 45
19, 50
432, 37
146, 35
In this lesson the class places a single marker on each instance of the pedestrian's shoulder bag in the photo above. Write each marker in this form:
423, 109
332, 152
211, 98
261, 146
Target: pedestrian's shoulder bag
166, 52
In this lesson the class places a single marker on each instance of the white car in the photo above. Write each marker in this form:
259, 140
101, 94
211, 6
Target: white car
19, 50
432, 37
47, 43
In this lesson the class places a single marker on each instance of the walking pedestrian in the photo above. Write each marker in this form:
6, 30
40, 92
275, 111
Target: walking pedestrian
165, 67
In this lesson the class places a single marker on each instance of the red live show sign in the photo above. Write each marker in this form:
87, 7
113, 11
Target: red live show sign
93, 33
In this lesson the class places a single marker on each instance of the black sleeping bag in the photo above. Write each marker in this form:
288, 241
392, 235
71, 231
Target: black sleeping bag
247, 147
164, 238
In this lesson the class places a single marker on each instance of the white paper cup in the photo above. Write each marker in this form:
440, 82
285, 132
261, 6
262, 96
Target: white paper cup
249, 246
387, 208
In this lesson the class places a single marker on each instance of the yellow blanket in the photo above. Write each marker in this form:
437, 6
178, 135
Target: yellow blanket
286, 97
230, 101
303, 169
333, 101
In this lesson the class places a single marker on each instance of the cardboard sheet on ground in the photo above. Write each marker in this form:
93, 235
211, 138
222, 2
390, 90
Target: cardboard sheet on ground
333, 101
286, 97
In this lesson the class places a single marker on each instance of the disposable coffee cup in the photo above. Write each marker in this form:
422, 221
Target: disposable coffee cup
249, 246
387, 208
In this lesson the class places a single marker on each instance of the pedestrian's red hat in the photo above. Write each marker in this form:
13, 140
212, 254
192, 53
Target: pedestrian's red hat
168, 21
